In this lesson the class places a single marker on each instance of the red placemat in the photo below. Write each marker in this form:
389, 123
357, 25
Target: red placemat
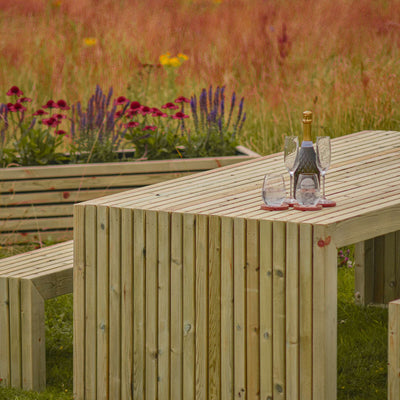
329, 203
283, 206
308, 208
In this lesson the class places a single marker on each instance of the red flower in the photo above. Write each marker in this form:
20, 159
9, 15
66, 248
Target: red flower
59, 116
10, 107
145, 110
182, 99
179, 115
118, 114
25, 99
149, 128
120, 100
15, 91
50, 104
130, 113
170, 106
40, 112
19, 107
131, 124
159, 113
60, 132
53, 122
62, 105
154, 109
135, 105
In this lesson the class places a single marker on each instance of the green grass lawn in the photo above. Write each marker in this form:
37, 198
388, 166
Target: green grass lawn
362, 345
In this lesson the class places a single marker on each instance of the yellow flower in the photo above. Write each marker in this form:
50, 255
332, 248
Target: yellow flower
164, 58
183, 56
90, 41
174, 62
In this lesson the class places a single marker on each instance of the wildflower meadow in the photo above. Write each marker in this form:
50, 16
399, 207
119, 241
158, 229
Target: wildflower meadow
240, 71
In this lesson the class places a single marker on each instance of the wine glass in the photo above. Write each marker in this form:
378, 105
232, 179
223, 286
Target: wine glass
307, 190
273, 190
291, 160
323, 162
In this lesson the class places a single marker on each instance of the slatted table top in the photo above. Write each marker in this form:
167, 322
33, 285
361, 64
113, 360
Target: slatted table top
364, 180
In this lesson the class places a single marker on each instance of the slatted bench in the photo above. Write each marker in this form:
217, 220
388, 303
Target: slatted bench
394, 351
26, 281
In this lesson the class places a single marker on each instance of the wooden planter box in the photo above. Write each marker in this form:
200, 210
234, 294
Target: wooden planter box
36, 203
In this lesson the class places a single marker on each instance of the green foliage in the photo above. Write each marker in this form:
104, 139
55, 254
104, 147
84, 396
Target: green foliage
362, 345
37, 146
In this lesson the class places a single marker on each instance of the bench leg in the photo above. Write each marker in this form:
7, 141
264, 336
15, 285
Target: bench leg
394, 351
377, 264
4, 333
32, 337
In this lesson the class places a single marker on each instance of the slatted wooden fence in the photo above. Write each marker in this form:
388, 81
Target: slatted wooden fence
36, 203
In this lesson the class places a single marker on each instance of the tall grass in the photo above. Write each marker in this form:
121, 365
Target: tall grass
341, 59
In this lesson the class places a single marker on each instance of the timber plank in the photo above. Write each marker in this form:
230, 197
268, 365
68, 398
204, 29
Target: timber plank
103, 317
214, 313
189, 306
151, 300
176, 307
201, 289
227, 299
126, 304
266, 313
164, 305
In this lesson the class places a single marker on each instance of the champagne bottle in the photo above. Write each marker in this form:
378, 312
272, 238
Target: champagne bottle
307, 156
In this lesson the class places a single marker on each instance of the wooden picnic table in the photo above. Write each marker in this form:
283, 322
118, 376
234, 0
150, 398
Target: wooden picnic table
187, 290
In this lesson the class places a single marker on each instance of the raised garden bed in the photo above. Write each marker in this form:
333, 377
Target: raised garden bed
36, 203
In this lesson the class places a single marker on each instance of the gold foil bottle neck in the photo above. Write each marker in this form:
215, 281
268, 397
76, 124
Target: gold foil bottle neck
307, 117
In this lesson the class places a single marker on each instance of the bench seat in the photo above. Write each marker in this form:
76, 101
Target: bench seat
26, 281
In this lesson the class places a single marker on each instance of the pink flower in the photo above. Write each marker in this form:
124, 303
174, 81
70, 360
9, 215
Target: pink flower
25, 99
15, 91
40, 112
130, 113
131, 124
154, 109
62, 105
59, 116
170, 106
159, 113
118, 114
135, 105
53, 122
145, 110
10, 107
60, 132
120, 100
50, 104
179, 115
149, 128
19, 107
182, 99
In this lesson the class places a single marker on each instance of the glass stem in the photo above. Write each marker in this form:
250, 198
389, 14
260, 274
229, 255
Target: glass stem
291, 185
323, 186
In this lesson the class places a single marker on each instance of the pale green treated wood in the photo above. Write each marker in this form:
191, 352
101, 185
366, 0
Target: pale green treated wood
115, 292
266, 311
127, 304
189, 306
252, 309
239, 290
278, 306
201, 288
164, 305
176, 382
151, 300
227, 301
214, 308
103, 317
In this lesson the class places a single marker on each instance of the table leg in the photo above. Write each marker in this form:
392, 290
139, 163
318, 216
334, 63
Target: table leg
324, 315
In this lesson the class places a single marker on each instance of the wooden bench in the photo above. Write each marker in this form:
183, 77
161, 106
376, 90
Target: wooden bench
26, 281
394, 351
